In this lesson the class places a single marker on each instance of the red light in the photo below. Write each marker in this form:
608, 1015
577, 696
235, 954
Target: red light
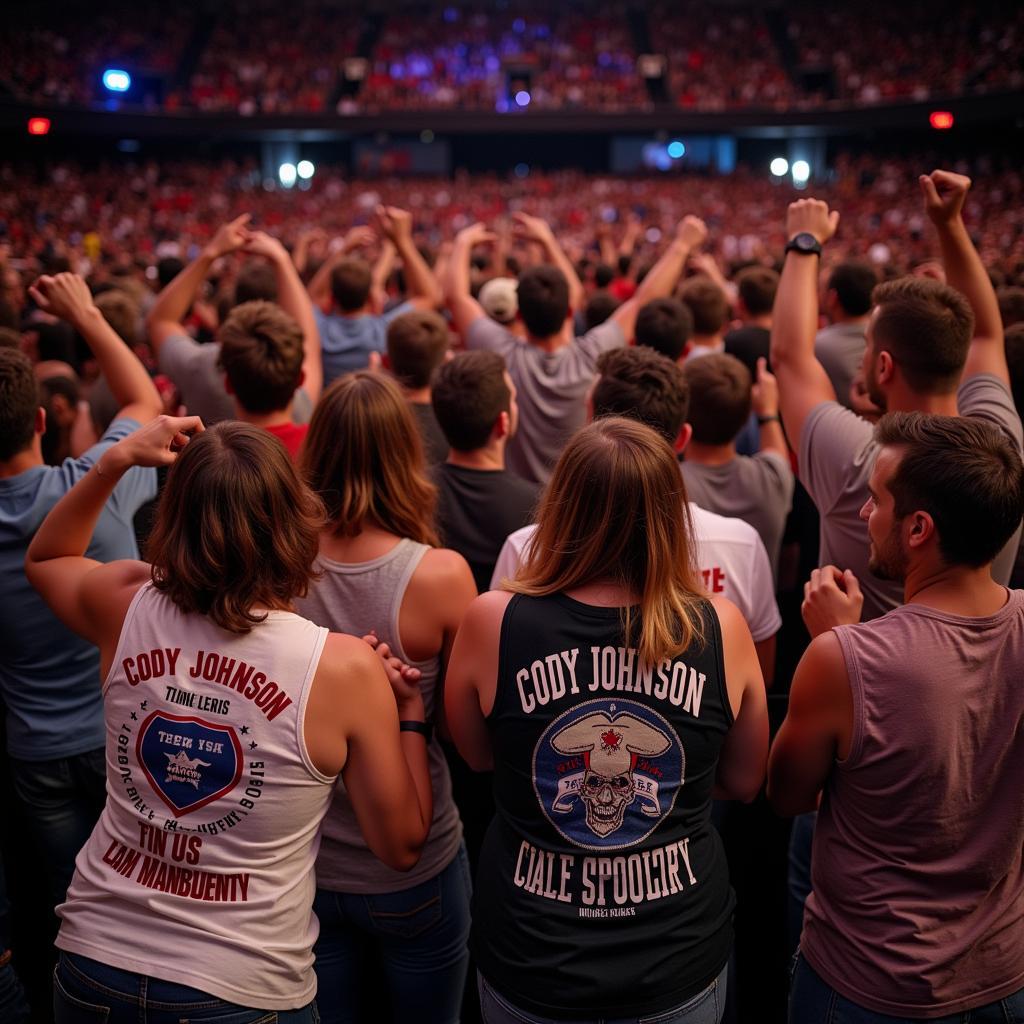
941, 119
39, 126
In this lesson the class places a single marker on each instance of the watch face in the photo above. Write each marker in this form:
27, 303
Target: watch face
805, 242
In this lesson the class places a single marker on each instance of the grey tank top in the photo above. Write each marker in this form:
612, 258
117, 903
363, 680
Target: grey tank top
357, 598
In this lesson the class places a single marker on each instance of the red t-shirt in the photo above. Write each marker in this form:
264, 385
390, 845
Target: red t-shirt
291, 434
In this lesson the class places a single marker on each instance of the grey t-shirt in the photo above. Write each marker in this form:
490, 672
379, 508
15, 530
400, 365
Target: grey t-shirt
757, 489
837, 453
840, 349
550, 386
194, 370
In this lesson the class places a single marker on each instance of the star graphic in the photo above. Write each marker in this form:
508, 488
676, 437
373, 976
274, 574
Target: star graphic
144, 705
135, 717
244, 730
252, 746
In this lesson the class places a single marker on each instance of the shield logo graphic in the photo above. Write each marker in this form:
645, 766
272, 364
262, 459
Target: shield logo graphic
189, 762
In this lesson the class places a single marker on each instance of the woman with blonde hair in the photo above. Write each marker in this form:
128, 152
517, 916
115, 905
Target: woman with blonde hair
382, 572
228, 720
611, 696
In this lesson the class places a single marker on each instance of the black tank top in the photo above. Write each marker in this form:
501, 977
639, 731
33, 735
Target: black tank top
602, 889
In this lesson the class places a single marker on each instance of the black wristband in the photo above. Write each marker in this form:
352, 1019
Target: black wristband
425, 729
762, 420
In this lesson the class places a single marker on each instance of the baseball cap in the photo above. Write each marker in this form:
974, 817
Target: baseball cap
499, 300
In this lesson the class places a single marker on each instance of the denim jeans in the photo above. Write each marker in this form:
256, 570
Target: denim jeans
88, 992
704, 1008
63, 800
812, 1001
420, 936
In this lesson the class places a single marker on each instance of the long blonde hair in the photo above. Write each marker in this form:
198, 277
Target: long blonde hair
615, 509
364, 458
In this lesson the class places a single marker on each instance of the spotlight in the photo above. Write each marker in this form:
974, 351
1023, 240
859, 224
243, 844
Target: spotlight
287, 174
940, 119
801, 172
39, 126
522, 98
305, 169
676, 150
779, 166
116, 80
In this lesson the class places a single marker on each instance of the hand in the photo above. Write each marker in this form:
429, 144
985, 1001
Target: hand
260, 243
358, 237
532, 229
764, 395
813, 217
931, 268
692, 232
475, 234
944, 195
229, 238
860, 400
394, 224
704, 263
831, 598
64, 295
158, 443
404, 679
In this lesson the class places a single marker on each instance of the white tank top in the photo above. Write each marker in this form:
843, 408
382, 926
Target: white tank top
200, 869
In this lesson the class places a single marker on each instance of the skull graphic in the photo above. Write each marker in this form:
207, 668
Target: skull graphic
610, 748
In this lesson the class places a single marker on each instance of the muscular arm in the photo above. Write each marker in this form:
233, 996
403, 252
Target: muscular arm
803, 382
423, 290
464, 308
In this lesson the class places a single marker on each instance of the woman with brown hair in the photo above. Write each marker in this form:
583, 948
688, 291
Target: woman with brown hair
228, 720
381, 571
611, 696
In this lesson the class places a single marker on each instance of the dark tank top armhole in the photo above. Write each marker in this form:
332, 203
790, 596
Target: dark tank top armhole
714, 638
499, 688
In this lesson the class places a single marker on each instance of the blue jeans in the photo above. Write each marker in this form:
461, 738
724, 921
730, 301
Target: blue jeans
812, 1001
63, 800
88, 992
704, 1008
420, 935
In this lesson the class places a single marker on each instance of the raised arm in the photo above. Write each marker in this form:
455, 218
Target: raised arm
706, 263
765, 402
68, 297
423, 289
803, 382
944, 195
293, 298
319, 287
173, 303
535, 229
464, 308
662, 277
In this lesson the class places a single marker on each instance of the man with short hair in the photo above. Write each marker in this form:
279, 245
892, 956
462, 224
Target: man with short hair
910, 725
643, 385
921, 355
710, 311
418, 343
755, 488
552, 370
480, 501
846, 301
755, 299
195, 368
50, 677
665, 325
356, 324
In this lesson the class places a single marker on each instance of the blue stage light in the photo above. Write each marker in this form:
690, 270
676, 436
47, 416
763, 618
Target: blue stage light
117, 80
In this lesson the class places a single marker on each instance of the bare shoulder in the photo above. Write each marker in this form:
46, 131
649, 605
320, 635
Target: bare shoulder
731, 619
349, 664
443, 566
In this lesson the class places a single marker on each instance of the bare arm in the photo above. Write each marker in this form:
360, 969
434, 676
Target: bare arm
662, 277
319, 287
944, 195
464, 308
707, 264
68, 297
423, 289
535, 229
606, 245
765, 403
803, 382
173, 303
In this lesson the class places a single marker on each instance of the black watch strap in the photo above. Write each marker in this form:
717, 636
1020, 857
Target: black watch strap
804, 243
762, 420
425, 729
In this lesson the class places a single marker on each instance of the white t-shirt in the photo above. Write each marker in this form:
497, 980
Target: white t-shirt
731, 557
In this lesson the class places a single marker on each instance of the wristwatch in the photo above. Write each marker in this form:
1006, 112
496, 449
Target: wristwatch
804, 243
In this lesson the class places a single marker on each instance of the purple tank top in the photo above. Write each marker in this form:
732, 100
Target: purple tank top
917, 907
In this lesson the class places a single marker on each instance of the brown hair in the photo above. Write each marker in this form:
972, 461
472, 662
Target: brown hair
708, 305
417, 342
965, 473
351, 281
664, 325
235, 529
469, 394
926, 326
121, 311
643, 385
364, 457
615, 508
719, 397
261, 351
543, 295
19, 400
757, 287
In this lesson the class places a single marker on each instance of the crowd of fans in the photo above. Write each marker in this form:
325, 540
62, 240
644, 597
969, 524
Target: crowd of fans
255, 57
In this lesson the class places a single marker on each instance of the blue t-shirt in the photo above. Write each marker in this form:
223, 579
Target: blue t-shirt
347, 341
49, 676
